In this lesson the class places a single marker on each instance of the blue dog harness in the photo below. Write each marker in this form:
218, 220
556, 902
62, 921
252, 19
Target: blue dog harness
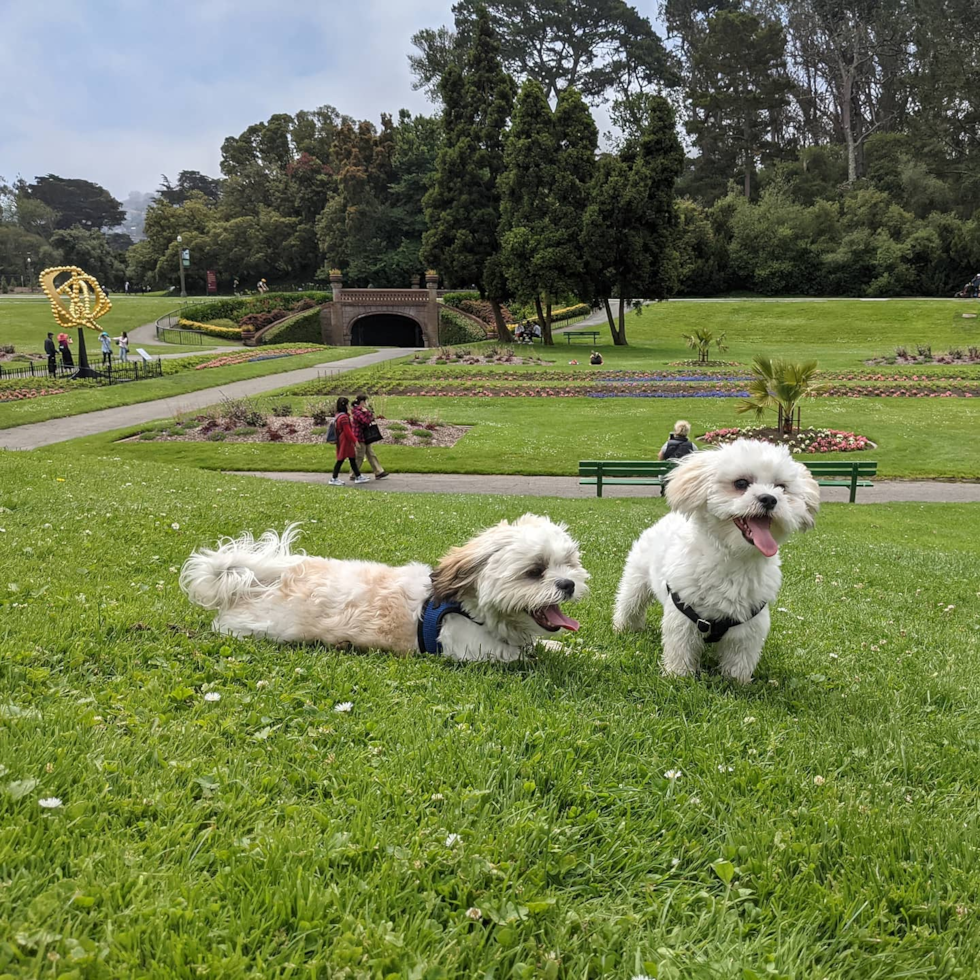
433, 613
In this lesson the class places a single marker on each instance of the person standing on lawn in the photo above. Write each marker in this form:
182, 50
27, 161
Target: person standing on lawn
106, 343
346, 444
363, 417
64, 342
52, 352
123, 342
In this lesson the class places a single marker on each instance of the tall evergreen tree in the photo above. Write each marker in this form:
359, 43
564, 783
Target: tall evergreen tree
550, 162
462, 208
738, 113
631, 220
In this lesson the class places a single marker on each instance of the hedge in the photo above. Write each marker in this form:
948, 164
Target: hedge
567, 313
457, 329
455, 299
235, 309
231, 333
300, 330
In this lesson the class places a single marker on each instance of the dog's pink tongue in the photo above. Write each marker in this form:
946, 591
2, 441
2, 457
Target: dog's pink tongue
762, 537
556, 617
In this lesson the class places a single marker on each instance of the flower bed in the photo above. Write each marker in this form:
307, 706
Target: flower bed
810, 441
256, 354
227, 333
296, 430
21, 393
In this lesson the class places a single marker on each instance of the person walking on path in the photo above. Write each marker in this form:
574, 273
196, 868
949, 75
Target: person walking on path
64, 347
106, 341
363, 419
346, 444
52, 352
123, 342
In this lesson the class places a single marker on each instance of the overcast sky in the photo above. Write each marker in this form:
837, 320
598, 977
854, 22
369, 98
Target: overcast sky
120, 91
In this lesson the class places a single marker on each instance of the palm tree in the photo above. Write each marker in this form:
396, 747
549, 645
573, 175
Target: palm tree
701, 341
780, 385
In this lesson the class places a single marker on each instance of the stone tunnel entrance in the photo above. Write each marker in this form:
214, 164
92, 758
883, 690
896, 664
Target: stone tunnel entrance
386, 330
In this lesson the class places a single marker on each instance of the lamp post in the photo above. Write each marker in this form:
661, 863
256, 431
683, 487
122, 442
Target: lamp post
30, 277
180, 263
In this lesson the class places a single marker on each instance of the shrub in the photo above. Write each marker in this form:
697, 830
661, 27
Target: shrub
399, 436
235, 308
484, 311
422, 433
924, 350
148, 436
901, 352
274, 435
456, 300
245, 430
241, 411
282, 410
320, 412
217, 436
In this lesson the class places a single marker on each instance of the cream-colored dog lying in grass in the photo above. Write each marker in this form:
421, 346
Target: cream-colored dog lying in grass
491, 599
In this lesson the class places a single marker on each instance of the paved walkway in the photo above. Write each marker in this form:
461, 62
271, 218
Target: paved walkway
884, 491
92, 423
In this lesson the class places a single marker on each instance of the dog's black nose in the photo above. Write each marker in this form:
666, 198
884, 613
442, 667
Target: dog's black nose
565, 585
767, 500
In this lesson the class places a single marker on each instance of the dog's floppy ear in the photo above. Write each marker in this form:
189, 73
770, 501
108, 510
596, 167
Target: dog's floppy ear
687, 483
810, 493
459, 569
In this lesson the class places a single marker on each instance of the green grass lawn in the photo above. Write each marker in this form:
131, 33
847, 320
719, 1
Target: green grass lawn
917, 438
475, 821
838, 334
26, 320
91, 399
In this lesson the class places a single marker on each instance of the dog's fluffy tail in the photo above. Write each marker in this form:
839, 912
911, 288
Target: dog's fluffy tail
239, 569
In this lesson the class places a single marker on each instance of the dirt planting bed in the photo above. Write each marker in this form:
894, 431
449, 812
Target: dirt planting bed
297, 430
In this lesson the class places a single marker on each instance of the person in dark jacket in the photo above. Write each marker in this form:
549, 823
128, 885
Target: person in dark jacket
678, 445
52, 351
346, 444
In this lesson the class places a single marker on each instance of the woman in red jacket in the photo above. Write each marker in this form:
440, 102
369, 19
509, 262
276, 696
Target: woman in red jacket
346, 444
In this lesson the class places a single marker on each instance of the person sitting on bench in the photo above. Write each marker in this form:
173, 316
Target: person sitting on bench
678, 445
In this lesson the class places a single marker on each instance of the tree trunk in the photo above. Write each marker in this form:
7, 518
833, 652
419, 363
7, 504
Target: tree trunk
748, 161
612, 323
620, 339
847, 121
503, 334
546, 337
540, 311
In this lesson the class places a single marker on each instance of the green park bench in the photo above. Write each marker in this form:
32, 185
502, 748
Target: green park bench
594, 334
653, 473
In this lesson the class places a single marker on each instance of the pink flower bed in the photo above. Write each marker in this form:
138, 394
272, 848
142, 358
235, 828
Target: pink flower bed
804, 441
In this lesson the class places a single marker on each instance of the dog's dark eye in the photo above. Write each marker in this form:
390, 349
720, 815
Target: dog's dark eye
741, 484
780, 486
535, 572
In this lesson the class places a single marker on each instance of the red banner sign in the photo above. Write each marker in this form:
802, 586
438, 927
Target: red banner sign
212, 281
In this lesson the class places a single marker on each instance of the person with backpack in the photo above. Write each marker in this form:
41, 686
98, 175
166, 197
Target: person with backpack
343, 433
678, 445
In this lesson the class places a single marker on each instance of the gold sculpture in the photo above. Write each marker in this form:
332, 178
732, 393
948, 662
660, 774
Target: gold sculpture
79, 289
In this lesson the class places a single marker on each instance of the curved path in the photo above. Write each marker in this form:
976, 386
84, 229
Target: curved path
884, 491
38, 434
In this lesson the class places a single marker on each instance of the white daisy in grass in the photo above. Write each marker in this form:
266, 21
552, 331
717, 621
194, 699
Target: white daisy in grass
474, 913
49, 803
344, 707
452, 840
818, 780
724, 768
175, 526
673, 774
212, 696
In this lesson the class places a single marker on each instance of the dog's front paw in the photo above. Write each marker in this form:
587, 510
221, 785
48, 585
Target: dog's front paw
553, 646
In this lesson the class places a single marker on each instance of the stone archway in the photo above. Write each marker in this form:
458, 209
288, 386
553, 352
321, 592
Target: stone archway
386, 330
339, 319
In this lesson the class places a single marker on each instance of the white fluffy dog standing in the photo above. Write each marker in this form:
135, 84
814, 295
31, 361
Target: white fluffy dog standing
491, 599
713, 563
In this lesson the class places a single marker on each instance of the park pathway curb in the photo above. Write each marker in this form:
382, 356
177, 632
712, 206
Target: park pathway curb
37, 434
884, 491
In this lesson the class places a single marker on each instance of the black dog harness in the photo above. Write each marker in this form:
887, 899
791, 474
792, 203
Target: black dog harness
711, 630
430, 622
